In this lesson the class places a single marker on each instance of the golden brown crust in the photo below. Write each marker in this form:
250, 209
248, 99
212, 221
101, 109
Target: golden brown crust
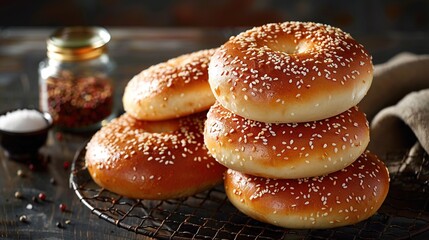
290, 72
342, 198
287, 150
152, 160
170, 89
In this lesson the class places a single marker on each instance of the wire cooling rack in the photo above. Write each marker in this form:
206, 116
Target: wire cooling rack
209, 215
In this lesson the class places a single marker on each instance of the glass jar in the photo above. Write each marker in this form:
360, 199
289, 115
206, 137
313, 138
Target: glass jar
75, 79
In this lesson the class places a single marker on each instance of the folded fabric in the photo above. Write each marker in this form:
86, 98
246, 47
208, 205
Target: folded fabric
398, 127
397, 124
404, 73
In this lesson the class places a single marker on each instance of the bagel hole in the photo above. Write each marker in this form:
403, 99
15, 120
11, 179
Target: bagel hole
284, 48
303, 46
290, 47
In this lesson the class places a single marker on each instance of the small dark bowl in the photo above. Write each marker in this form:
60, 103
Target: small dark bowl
25, 145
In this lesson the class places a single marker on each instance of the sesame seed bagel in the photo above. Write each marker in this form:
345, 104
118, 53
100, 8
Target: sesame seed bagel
341, 198
285, 150
170, 89
290, 72
152, 159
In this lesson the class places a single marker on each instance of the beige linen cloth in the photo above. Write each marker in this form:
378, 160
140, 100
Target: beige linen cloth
397, 105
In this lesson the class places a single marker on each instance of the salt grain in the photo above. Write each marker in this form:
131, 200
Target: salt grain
22, 120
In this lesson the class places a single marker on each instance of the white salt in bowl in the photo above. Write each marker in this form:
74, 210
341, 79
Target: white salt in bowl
23, 132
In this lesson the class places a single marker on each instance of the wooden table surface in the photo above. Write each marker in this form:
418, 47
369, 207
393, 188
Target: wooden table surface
133, 49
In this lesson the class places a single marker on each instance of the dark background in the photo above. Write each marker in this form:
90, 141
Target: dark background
358, 17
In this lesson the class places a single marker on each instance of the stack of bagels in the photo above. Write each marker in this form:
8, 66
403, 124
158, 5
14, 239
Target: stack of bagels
156, 150
287, 127
282, 129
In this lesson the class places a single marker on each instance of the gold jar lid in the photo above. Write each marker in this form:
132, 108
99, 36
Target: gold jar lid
77, 43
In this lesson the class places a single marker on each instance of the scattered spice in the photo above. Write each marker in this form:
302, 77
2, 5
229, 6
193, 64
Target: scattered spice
59, 136
62, 207
59, 224
18, 194
29, 206
68, 221
42, 196
20, 173
66, 165
52, 181
23, 219
78, 101
31, 167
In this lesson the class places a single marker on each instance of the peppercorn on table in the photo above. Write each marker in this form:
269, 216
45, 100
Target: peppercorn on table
37, 200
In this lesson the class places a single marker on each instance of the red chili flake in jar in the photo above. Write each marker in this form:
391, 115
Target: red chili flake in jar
77, 102
74, 79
